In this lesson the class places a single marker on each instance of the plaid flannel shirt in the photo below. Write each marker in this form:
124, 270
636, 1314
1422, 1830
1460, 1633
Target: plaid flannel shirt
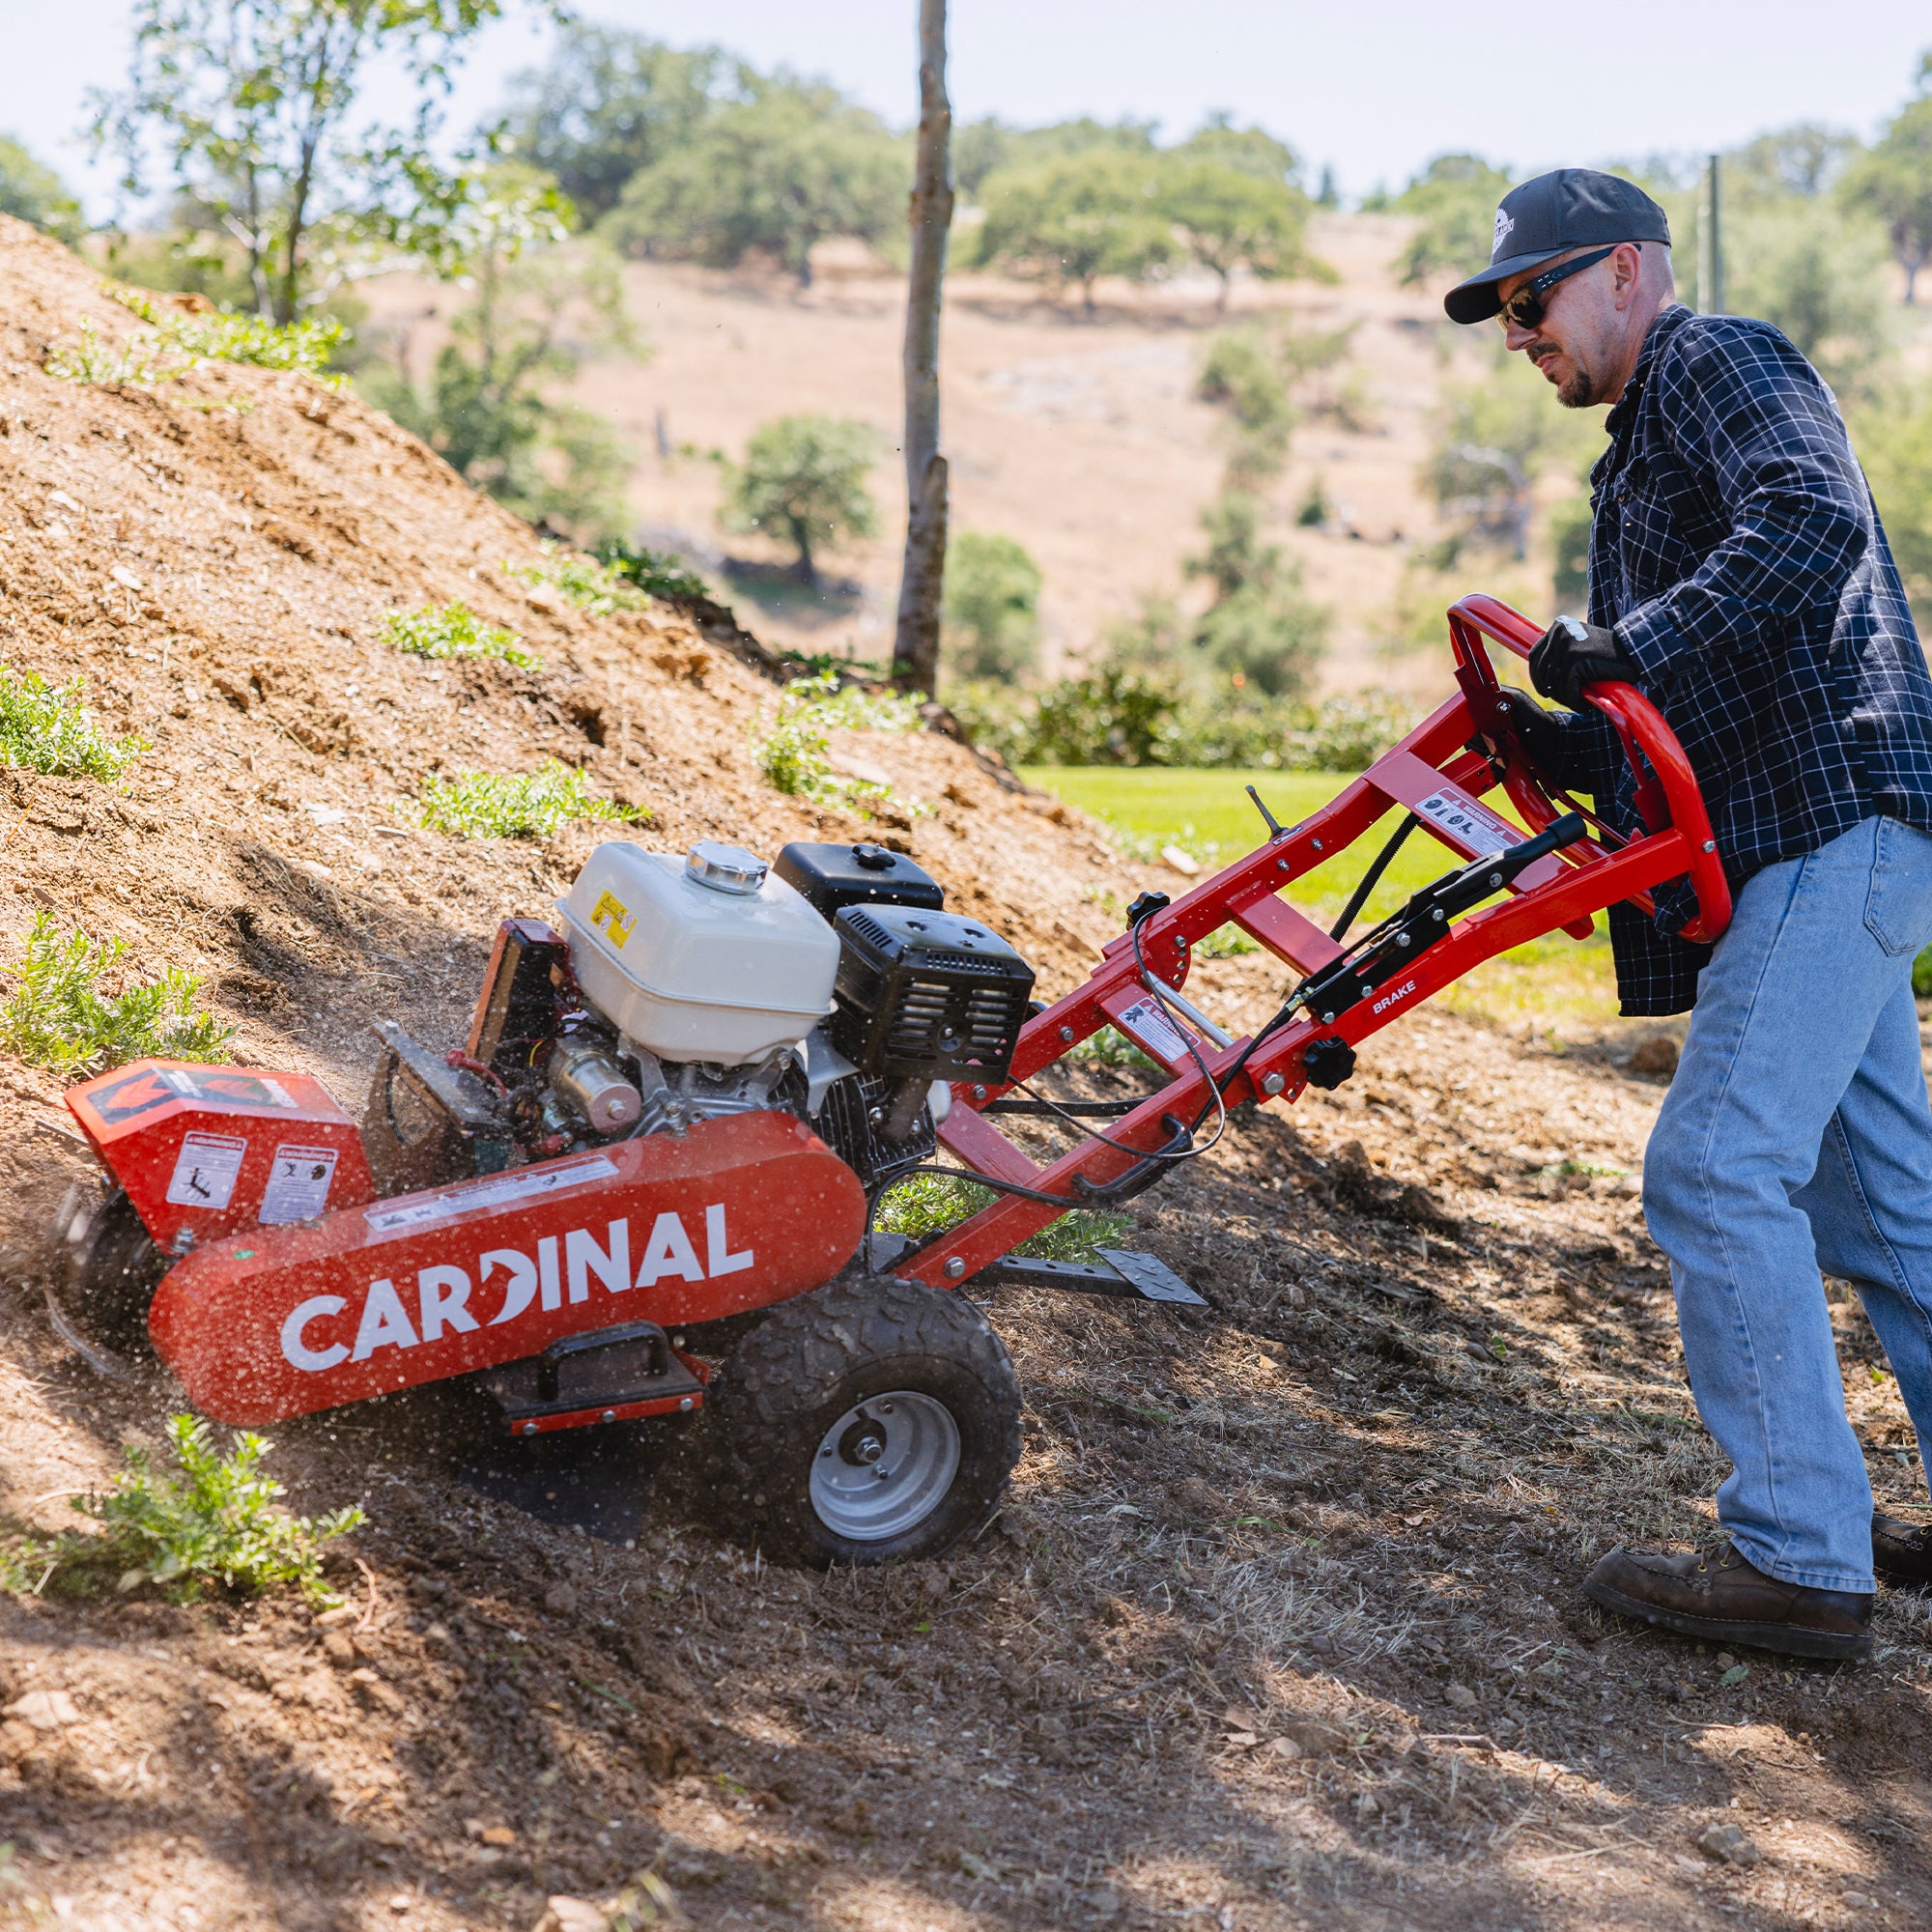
1737, 553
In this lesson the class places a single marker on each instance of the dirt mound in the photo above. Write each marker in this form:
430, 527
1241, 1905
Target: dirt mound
1281, 1630
213, 557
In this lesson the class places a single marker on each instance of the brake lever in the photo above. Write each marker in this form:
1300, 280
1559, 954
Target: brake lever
1404, 937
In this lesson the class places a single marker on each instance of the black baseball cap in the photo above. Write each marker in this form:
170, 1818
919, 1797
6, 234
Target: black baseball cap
1571, 207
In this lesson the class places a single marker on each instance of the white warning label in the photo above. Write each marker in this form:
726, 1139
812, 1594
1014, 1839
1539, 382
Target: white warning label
1472, 825
205, 1171
1148, 1022
498, 1192
298, 1184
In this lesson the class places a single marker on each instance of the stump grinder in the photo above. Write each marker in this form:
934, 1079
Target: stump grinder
643, 1187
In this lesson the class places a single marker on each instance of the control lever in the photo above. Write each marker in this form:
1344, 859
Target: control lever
1405, 935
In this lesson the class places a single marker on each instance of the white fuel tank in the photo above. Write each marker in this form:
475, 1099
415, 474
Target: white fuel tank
706, 956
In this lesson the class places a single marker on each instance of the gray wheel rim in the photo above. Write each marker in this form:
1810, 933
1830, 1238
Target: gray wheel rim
885, 1466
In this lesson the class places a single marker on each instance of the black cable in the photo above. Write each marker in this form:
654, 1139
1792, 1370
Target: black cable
1373, 877
1063, 1202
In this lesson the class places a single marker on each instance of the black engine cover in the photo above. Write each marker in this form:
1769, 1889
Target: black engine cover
926, 995
831, 877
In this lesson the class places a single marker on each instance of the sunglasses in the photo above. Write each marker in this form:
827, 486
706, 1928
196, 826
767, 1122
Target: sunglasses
1525, 308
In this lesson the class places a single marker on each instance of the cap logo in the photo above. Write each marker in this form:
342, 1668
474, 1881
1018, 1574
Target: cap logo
1505, 224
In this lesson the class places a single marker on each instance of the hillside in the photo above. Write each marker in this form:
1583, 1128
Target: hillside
1280, 1629
1078, 434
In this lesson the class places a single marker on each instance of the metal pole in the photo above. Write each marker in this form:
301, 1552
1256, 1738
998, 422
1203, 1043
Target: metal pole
1711, 242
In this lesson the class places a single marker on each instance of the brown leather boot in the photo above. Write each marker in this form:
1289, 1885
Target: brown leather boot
1902, 1550
1719, 1596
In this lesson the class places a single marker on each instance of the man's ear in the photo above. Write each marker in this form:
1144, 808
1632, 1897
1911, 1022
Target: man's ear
1627, 268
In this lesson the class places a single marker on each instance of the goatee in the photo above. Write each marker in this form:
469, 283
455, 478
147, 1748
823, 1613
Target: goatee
1580, 389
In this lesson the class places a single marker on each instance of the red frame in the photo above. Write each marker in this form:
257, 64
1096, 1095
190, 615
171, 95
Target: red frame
1432, 763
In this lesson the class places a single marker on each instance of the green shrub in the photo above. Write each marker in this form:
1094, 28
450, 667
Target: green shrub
495, 805
218, 1523
59, 1017
616, 577
1921, 976
795, 754
927, 1204
1119, 715
454, 631
175, 343
654, 572
992, 606
46, 728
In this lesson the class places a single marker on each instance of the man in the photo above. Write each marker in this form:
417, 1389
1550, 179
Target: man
1740, 575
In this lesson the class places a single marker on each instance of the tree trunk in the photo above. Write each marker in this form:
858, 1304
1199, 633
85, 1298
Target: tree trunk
921, 581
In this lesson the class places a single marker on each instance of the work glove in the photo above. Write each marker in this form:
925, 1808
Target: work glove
1571, 654
1539, 734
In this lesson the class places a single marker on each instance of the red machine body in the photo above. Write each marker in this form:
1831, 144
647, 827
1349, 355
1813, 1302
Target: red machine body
733, 1215
203, 1151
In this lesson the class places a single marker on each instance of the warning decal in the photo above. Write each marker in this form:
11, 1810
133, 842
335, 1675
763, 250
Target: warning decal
1472, 826
205, 1171
1148, 1022
298, 1184
497, 1192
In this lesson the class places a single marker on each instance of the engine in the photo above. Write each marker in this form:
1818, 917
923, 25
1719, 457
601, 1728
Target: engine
832, 986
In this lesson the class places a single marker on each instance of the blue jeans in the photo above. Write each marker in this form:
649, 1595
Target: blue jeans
1797, 1136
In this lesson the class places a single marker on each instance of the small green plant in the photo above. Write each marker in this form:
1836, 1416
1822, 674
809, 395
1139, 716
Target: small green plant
1108, 1048
496, 804
46, 728
61, 1019
138, 366
217, 1523
26, 1561
927, 1204
591, 585
255, 340
1921, 976
178, 343
616, 577
852, 707
454, 631
1230, 943
795, 754
653, 571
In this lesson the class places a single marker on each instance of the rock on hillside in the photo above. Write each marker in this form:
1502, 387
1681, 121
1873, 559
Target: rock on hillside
212, 557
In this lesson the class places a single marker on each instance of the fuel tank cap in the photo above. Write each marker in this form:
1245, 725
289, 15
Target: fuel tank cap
725, 869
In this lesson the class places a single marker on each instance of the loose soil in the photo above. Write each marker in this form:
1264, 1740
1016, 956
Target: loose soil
1280, 1627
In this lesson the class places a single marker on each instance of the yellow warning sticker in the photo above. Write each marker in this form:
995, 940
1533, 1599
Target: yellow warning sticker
614, 917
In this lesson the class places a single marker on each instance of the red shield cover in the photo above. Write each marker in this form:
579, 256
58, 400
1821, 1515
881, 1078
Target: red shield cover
734, 1215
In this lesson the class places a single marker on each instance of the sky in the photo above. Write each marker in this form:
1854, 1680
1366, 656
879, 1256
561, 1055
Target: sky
1373, 89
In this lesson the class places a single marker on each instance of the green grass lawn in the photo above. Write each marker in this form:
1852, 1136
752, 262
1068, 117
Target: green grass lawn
1209, 815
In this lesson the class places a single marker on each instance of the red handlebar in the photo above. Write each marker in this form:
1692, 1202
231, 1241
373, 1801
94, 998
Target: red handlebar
1668, 797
